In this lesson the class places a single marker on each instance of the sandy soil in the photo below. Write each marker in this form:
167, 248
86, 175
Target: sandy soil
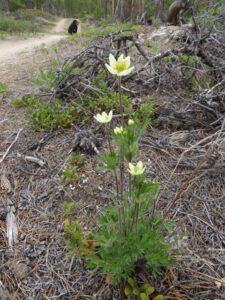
9, 48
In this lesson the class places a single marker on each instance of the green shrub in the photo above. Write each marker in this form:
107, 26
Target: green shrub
92, 32
31, 14
15, 4
48, 116
10, 25
47, 79
29, 100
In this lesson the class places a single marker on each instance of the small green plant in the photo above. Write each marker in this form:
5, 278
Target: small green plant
76, 242
47, 79
44, 115
3, 88
108, 100
70, 173
190, 59
49, 116
152, 45
77, 158
73, 232
68, 208
29, 100
141, 292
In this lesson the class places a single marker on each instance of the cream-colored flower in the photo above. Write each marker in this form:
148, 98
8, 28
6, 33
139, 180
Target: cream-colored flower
120, 67
131, 122
118, 130
136, 170
104, 117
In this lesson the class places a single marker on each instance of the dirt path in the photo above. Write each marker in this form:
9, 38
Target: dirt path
11, 47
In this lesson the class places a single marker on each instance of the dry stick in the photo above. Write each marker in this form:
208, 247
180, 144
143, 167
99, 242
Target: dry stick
2, 121
7, 151
33, 159
12, 229
185, 186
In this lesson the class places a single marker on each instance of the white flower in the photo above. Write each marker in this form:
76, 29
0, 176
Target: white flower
131, 122
118, 130
120, 67
104, 117
136, 170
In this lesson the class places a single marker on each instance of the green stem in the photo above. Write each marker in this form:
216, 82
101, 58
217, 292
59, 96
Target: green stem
119, 204
121, 166
136, 207
120, 101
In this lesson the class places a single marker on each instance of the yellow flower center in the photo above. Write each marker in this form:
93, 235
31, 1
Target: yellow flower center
120, 66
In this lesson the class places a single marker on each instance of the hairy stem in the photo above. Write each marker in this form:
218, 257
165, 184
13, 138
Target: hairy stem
120, 100
119, 202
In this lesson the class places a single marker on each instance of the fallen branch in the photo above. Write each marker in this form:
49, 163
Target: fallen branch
12, 231
7, 151
33, 159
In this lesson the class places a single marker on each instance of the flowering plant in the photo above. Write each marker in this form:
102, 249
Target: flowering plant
129, 230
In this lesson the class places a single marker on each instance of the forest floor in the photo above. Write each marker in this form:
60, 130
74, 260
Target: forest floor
38, 266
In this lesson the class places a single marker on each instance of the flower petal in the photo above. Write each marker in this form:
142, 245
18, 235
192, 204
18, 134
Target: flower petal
97, 118
126, 72
112, 60
110, 115
131, 166
127, 62
140, 165
121, 58
111, 70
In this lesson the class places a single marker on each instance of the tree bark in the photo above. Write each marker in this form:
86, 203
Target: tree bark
159, 6
4, 5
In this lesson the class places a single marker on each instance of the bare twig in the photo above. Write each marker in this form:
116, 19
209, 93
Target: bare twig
7, 151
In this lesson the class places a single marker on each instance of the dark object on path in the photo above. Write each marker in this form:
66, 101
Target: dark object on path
73, 27
174, 10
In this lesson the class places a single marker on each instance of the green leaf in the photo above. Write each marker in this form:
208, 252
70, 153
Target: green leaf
128, 290
147, 288
159, 297
110, 161
131, 282
3, 88
143, 296
148, 187
136, 291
